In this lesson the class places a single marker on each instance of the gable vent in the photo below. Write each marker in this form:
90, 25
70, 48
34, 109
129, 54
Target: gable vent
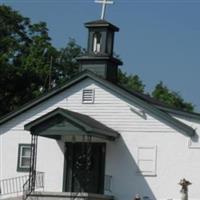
88, 96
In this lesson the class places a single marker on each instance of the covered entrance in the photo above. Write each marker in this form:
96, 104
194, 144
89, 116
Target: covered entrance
85, 148
85, 167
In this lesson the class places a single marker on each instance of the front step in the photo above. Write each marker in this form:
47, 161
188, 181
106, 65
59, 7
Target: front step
11, 198
67, 196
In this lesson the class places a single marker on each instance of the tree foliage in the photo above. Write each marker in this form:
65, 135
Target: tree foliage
131, 81
29, 64
171, 98
67, 60
160, 92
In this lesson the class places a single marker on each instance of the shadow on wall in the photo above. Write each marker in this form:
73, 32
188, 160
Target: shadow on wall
127, 181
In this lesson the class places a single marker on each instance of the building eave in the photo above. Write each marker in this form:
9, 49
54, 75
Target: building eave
180, 113
85, 124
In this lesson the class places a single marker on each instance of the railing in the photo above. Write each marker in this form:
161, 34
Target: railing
107, 183
12, 185
15, 185
36, 179
33, 183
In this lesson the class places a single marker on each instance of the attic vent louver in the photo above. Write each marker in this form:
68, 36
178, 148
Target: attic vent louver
88, 96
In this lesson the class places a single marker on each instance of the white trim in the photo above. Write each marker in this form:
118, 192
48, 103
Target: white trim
21, 156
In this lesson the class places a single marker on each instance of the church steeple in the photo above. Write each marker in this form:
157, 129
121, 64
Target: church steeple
99, 57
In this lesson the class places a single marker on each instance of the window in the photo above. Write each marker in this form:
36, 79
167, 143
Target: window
97, 42
88, 96
147, 160
24, 156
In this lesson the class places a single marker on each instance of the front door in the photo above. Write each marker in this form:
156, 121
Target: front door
85, 164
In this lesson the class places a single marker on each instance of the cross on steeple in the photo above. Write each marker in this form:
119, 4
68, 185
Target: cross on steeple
104, 4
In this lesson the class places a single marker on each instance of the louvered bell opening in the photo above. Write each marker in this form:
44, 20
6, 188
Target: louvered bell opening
88, 96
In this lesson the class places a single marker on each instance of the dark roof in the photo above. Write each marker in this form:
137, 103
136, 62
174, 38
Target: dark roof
160, 105
89, 125
101, 23
99, 57
142, 96
143, 101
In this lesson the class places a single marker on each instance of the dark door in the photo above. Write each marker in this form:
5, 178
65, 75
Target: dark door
85, 167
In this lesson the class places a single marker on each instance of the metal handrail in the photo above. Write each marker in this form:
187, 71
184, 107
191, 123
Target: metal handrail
33, 183
108, 183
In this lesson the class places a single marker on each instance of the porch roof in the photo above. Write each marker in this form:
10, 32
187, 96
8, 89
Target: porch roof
63, 122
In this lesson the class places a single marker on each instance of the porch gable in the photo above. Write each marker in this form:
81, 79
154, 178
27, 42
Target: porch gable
61, 122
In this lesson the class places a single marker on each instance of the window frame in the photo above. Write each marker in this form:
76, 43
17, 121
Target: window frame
21, 168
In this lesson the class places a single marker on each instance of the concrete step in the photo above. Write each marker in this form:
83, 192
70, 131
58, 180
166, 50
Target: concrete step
68, 196
11, 198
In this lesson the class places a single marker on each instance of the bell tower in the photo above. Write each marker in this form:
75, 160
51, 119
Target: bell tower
99, 57
101, 37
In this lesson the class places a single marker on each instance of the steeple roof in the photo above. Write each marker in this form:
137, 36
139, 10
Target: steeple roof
102, 23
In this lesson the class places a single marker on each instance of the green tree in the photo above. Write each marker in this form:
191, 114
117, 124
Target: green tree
160, 92
22, 64
13, 42
29, 64
131, 81
170, 98
67, 60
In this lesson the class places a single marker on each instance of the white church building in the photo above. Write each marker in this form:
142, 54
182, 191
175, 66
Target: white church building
93, 139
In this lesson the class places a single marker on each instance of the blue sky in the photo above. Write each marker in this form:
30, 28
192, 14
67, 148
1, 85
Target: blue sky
158, 39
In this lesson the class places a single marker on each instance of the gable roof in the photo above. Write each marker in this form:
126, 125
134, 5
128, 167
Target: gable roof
132, 96
85, 123
162, 106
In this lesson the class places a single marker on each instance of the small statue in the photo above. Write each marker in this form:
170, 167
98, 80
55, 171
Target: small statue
137, 197
184, 190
